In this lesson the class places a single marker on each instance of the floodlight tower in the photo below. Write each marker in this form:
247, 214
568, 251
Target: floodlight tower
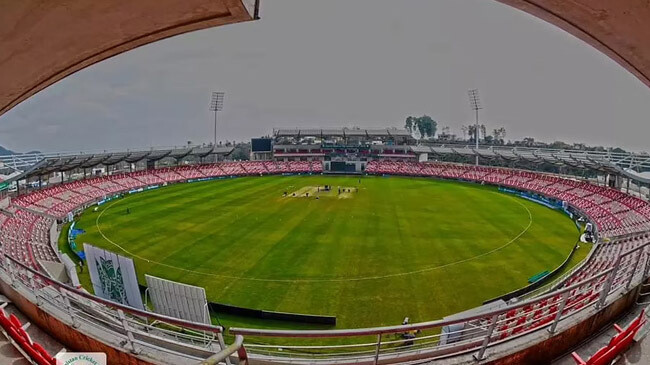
216, 105
475, 104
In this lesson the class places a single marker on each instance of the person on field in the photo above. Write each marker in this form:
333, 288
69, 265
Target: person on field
409, 337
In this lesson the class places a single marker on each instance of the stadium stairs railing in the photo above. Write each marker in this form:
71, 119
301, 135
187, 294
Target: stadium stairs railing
165, 339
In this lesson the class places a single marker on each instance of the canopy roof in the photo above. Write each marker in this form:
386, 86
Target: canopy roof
38, 164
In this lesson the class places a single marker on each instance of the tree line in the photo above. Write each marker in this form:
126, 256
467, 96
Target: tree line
425, 130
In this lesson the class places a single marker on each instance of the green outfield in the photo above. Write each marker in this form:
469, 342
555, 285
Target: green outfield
382, 249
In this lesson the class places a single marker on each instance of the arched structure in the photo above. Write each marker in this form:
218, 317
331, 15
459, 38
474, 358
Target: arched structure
617, 28
42, 42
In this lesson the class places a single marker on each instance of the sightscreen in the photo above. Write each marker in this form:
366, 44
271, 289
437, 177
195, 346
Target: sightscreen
261, 144
342, 166
178, 300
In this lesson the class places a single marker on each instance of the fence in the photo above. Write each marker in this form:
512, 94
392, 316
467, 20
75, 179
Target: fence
179, 341
465, 334
168, 339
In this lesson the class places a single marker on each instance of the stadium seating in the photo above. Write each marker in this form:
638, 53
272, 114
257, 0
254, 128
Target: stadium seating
614, 212
168, 175
58, 200
24, 226
24, 233
272, 167
316, 166
148, 177
211, 170
255, 168
14, 330
25, 237
619, 343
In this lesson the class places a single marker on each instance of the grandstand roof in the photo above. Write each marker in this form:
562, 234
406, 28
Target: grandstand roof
607, 162
42, 164
45, 41
341, 132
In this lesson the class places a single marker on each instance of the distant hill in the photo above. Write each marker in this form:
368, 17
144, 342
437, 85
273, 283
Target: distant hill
6, 152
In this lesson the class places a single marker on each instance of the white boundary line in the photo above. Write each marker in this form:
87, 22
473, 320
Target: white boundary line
364, 278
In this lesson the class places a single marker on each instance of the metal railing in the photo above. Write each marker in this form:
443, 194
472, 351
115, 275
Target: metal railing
557, 282
166, 339
237, 346
459, 335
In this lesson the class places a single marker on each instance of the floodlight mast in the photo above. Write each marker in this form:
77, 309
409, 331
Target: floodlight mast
475, 104
216, 105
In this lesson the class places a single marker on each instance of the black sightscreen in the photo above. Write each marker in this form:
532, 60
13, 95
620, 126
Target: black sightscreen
342, 166
261, 144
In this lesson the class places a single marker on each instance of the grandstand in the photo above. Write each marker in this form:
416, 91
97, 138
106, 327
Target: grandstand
342, 150
28, 231
550, 319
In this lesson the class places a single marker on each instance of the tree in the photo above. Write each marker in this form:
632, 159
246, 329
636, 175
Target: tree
499, 135
471, 132
464, 129
560, 145
529, 141
471, 129
425, 125
241, 151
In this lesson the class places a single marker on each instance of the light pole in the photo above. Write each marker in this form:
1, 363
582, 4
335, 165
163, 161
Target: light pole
475, 104
216, 105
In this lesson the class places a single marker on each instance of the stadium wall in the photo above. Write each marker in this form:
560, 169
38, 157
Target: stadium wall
279, 316
264, 314
72, 338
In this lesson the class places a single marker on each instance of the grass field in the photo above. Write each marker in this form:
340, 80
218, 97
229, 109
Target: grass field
398, 247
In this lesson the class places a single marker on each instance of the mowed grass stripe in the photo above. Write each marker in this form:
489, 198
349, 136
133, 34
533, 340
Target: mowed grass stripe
244, 228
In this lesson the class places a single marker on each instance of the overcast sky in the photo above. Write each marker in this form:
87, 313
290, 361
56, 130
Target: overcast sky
335, 63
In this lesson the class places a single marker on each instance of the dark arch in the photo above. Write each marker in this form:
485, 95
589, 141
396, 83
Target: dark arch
42, 42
